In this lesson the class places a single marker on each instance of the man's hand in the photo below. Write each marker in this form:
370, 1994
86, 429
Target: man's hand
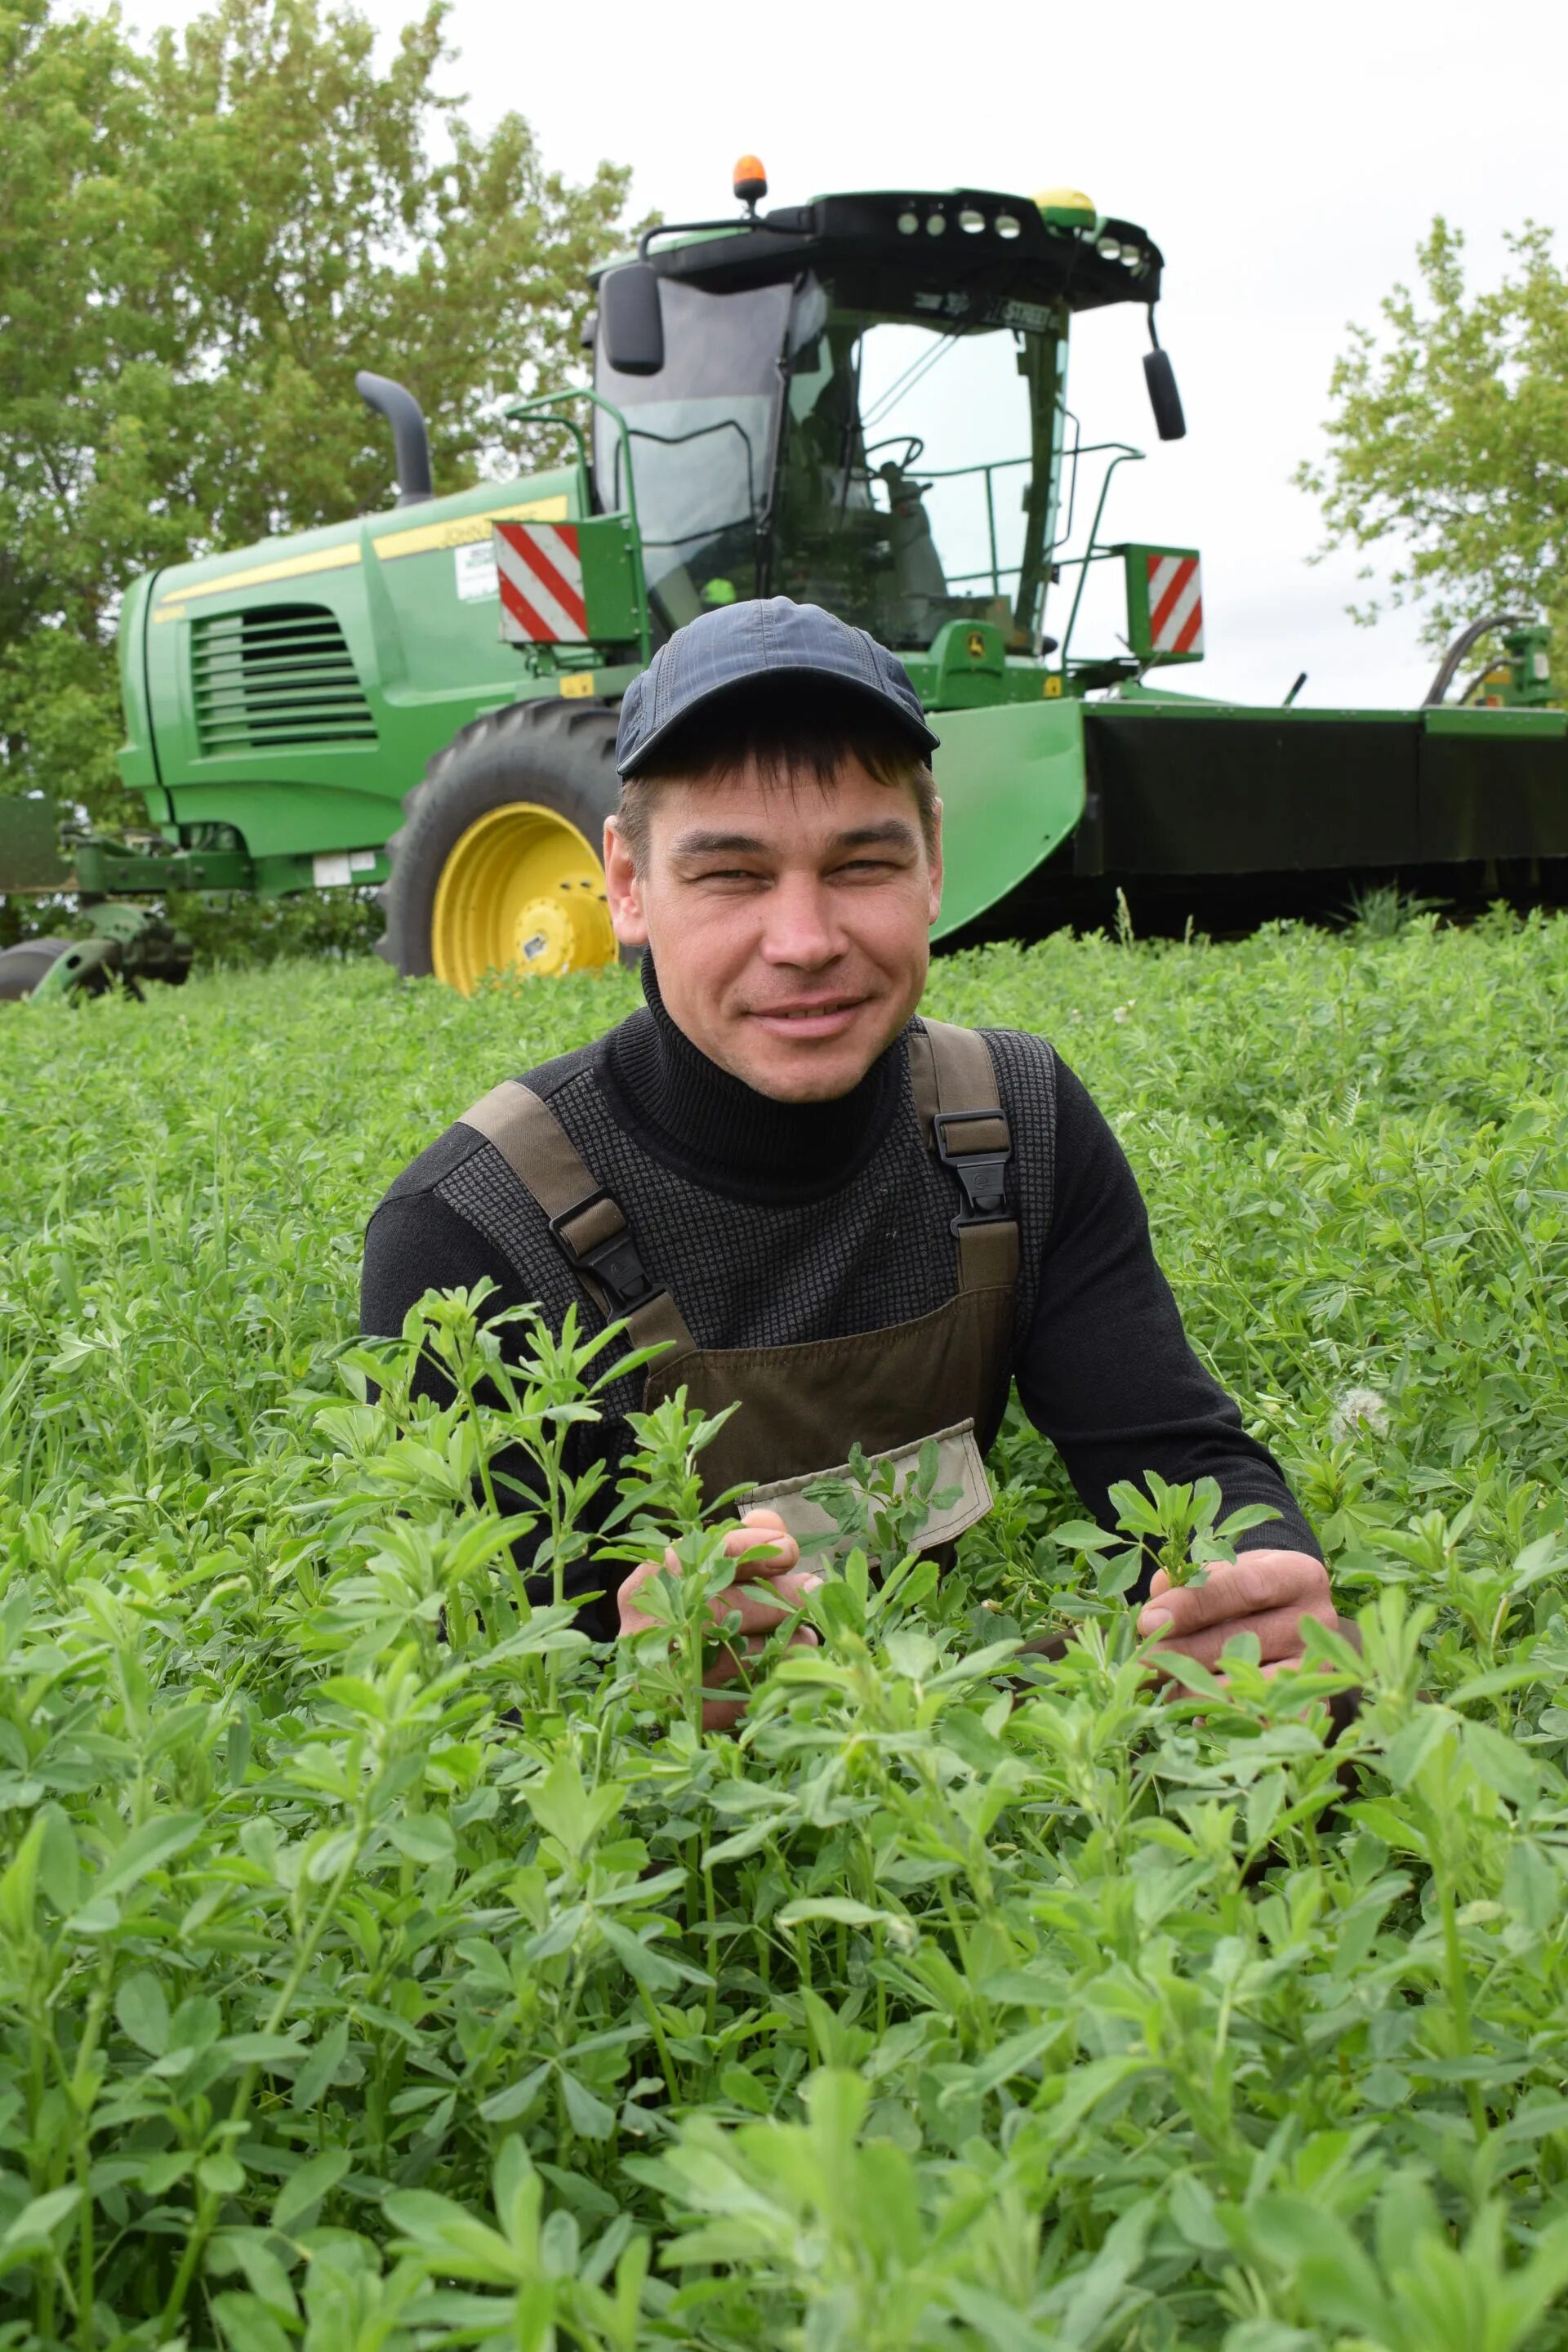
1267, 1592
766, 1592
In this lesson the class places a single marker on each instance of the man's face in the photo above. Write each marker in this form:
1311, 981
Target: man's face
789, 926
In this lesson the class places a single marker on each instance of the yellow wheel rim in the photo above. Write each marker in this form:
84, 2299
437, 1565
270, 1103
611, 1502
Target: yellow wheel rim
521, 891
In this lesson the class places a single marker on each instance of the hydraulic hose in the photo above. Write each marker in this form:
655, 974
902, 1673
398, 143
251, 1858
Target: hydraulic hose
1448, 667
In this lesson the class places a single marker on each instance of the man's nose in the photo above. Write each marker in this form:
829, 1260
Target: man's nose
802, 926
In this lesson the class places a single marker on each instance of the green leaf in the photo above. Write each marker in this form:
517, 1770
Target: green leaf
261, 2049
1540, 2121
315, 2076
307, 2187
37, 2220
1014, 2055
451, 2240
588, 2113
1192, 2208
1489, 1684
157, 2174
1410, 1747
1082, 1535
511, 2104
1500, 1762
59, 1861
1338, 2284
248, 2325
157, 1842
646, 1965
566, 1810
18, 1885
842, 1909
141, 2006
425, 1838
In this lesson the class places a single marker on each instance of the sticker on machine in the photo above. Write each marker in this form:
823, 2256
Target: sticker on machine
1175, 603
475, 568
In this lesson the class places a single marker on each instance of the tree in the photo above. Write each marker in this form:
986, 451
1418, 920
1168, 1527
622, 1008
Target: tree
1449, 440
200, 241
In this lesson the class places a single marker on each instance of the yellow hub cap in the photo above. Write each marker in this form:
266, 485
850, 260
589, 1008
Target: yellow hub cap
521, 891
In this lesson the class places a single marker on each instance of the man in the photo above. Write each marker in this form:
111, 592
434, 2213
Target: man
855, 1226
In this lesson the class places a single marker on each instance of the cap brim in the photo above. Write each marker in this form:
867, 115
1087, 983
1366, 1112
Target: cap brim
920, 735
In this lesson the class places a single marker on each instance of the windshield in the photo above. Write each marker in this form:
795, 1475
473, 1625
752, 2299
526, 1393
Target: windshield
905, 491
703, 434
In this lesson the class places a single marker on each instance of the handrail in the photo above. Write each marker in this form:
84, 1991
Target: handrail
1125, 453
539, 403
698, 432
987, 467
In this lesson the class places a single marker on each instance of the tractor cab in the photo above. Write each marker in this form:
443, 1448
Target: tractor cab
858, 402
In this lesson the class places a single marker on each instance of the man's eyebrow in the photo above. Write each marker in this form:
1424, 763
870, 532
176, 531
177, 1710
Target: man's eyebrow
713, 845
892, 833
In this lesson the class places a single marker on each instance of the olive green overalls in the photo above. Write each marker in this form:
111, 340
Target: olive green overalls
800, 1408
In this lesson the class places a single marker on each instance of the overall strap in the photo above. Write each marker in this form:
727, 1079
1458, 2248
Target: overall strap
588, 1226
960, 1108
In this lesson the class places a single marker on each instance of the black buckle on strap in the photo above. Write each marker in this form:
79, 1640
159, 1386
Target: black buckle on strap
614, 1262
982, 1174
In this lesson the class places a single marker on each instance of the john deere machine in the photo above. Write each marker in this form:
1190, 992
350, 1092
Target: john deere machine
860, 401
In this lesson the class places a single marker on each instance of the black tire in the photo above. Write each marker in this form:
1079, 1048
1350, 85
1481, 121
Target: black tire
558, 755
22, 966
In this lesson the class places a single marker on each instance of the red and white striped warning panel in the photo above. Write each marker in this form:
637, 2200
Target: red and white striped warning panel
1176, 604
540, 572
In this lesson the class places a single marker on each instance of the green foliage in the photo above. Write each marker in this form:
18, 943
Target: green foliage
200, 241
229, 931
1178, 1527
1449, 440
383, 1966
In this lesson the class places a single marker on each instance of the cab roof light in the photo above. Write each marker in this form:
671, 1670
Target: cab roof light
1066, 204
749, 182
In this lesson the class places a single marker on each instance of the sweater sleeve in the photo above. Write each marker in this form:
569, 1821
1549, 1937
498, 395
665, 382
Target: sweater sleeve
1107, 1372
416, 1243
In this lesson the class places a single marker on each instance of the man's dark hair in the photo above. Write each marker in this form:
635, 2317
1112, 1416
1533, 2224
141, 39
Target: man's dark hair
793, 731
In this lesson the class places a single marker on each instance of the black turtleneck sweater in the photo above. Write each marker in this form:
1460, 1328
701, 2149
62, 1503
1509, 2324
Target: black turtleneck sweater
774, 1223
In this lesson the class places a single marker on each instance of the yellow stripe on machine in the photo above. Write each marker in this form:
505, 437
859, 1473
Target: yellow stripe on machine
289, 567
459, 530
466, 531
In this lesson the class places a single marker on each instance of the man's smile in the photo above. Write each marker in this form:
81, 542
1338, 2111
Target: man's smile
822, 1017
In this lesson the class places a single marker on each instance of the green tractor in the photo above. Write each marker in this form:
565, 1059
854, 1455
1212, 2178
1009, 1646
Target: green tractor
859, 401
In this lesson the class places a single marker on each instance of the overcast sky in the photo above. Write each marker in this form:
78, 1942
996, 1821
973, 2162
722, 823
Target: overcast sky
1286, 161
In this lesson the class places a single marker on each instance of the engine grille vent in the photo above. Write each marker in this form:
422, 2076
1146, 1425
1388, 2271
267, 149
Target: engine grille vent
279, 675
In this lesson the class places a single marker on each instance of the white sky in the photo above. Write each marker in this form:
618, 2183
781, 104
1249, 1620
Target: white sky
1285, 160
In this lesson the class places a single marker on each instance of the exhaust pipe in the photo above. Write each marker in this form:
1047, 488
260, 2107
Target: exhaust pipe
410, 442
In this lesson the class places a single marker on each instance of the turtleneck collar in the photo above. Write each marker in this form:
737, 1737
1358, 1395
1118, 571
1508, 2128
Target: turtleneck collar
721, 1133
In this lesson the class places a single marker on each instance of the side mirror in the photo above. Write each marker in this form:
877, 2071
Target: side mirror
1163, 398
631, 325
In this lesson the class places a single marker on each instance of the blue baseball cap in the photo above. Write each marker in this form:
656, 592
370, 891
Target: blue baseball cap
734, 646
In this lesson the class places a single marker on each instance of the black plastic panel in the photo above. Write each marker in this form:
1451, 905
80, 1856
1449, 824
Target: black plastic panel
1247, 792
1256, 792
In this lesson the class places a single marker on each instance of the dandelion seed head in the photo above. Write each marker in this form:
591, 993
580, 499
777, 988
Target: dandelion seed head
1359, 1408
